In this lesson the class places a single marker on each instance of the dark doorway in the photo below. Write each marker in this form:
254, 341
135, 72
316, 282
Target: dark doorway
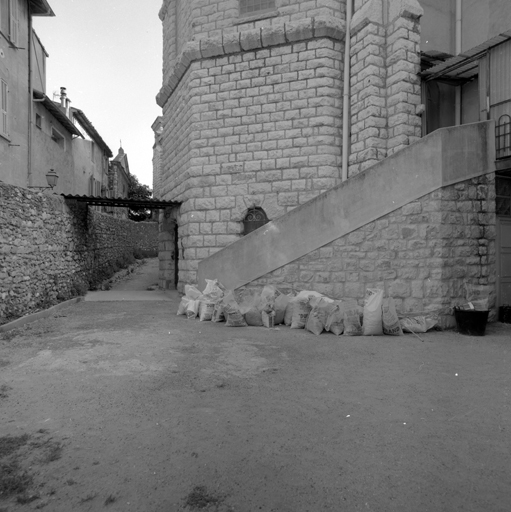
176, 255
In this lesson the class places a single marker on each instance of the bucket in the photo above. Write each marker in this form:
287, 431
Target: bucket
505, 314
470, 321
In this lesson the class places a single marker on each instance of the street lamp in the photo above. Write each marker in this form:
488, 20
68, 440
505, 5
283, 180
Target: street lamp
51, 178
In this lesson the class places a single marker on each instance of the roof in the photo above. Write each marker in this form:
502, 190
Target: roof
40, 8
155, 204
464, 66
92, 132
55, 110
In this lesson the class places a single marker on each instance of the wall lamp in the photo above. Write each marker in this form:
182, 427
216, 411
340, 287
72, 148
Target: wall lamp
51, 178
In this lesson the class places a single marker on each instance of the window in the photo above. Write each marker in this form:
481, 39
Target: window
248, 7
4, 122
503, 136
14, 26
503, 188
38, 121
254, 219
92, 151
58, 138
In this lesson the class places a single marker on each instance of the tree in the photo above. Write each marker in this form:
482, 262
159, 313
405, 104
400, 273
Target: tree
139, 192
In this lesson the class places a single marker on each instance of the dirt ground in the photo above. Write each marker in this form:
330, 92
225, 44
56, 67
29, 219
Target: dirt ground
122, 405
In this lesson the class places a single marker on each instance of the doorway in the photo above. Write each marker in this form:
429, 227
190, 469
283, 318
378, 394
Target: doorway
168, 250
503, 210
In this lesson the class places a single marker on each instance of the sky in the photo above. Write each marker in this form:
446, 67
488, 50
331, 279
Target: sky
108, 54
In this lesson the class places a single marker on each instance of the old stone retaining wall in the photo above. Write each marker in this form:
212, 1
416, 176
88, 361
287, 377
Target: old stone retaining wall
52, 249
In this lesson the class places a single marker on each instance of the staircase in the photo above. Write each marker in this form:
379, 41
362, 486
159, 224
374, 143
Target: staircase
444, 157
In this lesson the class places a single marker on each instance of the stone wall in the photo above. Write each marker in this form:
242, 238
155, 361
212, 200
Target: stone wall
253, 120
385, 85
51, 249
420, 254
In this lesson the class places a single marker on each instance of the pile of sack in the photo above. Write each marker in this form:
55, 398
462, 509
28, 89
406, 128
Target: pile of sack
308, 310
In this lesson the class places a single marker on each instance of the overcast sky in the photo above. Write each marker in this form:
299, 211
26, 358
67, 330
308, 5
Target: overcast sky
108, 55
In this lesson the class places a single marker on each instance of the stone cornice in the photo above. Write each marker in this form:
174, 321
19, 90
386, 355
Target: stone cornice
372, 12
254, 39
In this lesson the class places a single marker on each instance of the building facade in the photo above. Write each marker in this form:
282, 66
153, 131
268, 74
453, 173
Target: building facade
18, 78
261, 112
38, 133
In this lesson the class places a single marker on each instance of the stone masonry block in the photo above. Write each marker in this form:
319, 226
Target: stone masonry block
405, 8
231, 42
251, 39
299, 30
211, 47
329, 27
370, 13
273, 35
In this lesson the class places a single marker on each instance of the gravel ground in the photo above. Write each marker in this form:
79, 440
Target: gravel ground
122, 405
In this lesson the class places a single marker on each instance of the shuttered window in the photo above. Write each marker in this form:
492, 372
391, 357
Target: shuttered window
14, 27
248, 7
4, 122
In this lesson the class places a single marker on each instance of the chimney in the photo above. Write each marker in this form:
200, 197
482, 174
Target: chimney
63, 96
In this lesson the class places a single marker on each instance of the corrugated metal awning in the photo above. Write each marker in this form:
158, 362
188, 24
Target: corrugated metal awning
464, 66
150, 204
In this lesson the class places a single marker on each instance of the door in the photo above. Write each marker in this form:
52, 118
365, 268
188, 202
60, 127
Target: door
503, 261
176, 256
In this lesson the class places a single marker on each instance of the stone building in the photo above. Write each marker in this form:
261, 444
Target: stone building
261, 115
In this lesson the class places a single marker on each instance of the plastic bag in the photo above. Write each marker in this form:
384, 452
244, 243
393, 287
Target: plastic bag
478, 295
391, 325
352, 326
181, 310
415, 324
373, 312
281, 303
206, 308
253, 317
301, 311
246, 298
192, 310
191, 292
218, 312
234, 316
214, 289
318, 316
303, 295
335, 320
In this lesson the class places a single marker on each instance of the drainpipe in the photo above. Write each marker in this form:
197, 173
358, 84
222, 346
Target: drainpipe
346, 93
457, 52
30, 104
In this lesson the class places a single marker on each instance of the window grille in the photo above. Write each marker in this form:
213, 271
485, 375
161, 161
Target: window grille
503, 136
254, 219
248, 7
